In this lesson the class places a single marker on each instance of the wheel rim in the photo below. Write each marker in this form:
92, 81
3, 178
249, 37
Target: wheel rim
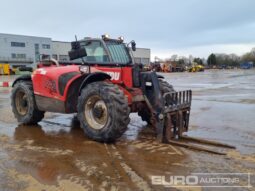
21, 102
96, 112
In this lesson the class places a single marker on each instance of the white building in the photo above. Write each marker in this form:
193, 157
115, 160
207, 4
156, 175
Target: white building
23, 50
142, 55
60, 50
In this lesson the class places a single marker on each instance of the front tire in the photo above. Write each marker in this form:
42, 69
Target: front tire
103, 111
145, 113
24, 105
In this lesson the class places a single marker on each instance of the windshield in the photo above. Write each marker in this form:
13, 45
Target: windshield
119, 52
95, 52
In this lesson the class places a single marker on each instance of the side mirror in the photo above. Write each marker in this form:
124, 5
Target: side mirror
79, 53
75, 45
133, 45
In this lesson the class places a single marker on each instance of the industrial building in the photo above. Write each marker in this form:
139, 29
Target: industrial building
60, 50
19, 50
142, 55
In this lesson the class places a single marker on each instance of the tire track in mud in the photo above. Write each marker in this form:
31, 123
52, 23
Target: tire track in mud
124, 171
96, 177
112, 162
153, 146
147, 142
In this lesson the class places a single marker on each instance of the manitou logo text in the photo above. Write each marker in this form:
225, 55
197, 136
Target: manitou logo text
114, 75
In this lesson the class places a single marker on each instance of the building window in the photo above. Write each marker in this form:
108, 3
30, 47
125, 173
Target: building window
45, 46
37, 53
18, 44
45, 57
63, 57
138, 60
19, 56
145, 61
55, 56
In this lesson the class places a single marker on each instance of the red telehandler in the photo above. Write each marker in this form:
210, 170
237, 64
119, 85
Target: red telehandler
103, 89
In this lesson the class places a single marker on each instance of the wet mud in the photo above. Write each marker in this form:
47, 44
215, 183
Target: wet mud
57, 155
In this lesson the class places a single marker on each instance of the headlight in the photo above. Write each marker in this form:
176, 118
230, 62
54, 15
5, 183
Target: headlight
105, 36
84, 69
121, 38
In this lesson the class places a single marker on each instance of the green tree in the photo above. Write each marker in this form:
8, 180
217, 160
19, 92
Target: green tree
198, 61
248, 57
181, 62
211, 61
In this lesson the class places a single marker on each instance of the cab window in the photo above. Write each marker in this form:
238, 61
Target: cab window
119, 52
95, 52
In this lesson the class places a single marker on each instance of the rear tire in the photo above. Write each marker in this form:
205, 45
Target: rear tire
145, 113
24, 105
103, 111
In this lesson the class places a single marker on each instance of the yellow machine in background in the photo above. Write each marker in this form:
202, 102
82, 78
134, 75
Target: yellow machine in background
4, 69
196, 68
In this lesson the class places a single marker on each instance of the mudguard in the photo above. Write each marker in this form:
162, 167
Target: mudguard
25, 77
160, 76
94, 77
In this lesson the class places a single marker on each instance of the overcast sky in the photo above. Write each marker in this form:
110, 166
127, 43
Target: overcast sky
168, 27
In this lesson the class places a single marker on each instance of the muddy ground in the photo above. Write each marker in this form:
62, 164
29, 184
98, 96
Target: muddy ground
56, 155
